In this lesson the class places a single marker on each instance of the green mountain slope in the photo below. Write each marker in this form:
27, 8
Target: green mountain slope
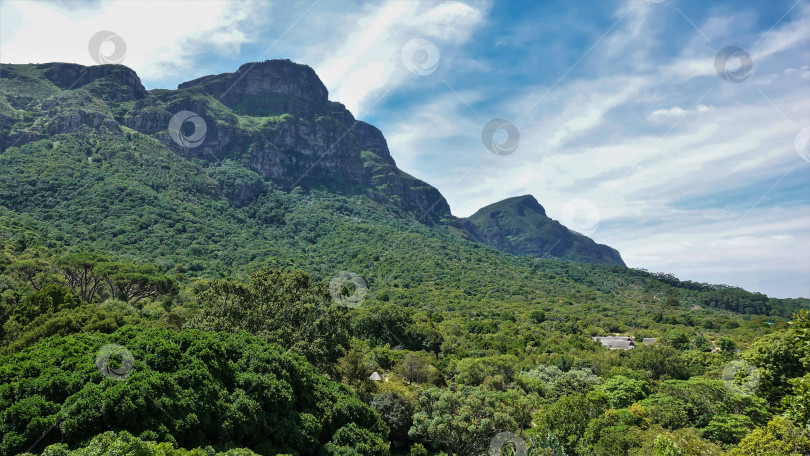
286, 193
88, 161
267, 124
520, 226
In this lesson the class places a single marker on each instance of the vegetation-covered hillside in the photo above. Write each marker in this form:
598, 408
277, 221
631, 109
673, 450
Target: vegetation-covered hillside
160, 299
520, 226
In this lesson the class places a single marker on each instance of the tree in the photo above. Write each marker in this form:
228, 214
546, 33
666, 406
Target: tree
702, 397
682, 442
664, 446
728, 428
778, 357
667, 411
623, 391
461, 419
700, 343
412, 368
658, 360
473, 371
552, 383
387, 324
78, 270
567, 419
397, 413
34, 271
133, 282
538, 316
188, 387
49, 299
355, 368
125, 443
678, 339
283, 307
726, 345
778, 437
797, 404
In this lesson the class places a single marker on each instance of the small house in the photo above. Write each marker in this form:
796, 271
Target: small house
616, 342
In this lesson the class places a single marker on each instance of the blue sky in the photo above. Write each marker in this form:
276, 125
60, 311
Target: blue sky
627, 131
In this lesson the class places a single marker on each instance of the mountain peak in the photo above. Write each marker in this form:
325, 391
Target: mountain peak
268, 81
521, 203
519, 225
116, 82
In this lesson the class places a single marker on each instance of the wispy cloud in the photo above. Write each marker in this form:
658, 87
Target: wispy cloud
618, 103
369, 60
163, 39
640, 136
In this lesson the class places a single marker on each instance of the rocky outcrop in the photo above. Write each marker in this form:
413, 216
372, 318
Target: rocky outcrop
266, 88
298, 150
113, 82
281, 124
520, 226
69, 113
267, 121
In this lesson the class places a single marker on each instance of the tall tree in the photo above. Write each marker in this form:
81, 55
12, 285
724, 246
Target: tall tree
78, 269
134, 282
284, 307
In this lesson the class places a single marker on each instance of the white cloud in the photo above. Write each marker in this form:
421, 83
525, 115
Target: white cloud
368, 64
163, 39
639, 137
768, 249
636, 127
675, 112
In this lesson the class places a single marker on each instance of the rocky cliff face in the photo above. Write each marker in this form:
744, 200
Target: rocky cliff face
280, 123
274, 117
272, 120
266, 87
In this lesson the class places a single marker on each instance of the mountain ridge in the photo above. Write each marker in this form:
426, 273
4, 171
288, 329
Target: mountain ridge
274, 119
519, 225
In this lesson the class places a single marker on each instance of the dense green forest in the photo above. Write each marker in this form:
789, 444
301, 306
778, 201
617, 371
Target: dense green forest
275, 364
156, 303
